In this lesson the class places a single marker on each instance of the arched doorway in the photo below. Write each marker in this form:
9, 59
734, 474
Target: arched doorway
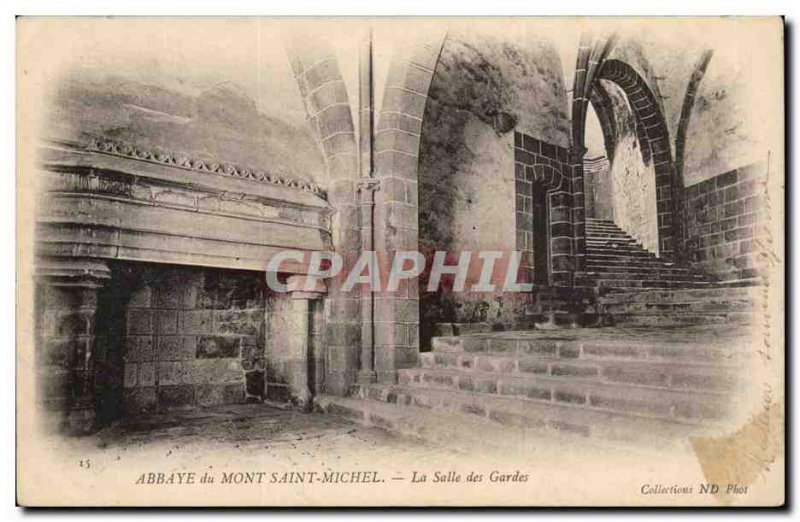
624, 104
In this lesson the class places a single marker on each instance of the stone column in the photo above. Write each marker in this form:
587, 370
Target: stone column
366, 191
316, 69
67, 339
298, 339
578, 209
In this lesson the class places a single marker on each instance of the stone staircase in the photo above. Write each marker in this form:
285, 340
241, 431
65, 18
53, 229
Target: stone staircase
615, 260
671, 307
641, 352
635, 288
634, 387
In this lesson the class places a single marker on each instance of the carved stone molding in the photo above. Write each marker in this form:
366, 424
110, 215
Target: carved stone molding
366, 188
135, 189
368, 184
116, 148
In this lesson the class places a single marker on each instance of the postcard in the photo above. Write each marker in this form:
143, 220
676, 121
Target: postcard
400, 261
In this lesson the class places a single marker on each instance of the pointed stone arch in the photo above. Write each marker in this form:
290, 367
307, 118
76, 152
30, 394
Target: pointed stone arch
396, 153
653, 137
651, 130
316, 69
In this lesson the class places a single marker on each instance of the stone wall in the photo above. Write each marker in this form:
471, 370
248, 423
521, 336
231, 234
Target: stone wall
219, 125
150, 85
542, 166
483, 89
194, 337
65, 326
633, 189
632, 176
730, 122
286, 320
726, 225
597, 179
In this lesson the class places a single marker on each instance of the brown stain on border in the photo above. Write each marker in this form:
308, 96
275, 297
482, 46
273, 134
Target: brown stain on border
746, 455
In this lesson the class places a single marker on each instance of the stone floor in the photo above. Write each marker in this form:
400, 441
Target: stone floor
268, 456
248, 427
242, 435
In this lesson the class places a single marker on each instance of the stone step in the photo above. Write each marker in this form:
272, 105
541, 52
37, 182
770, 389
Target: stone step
680, 295
595, 254
600, 229
637, 262
631, 255
594, 225
700, 345
662, 375
645, 267
609, 290
604, 257
672, 319
610, 236
604, 227
700, 306
639, 283
676, 369
655, 401
613, 244
468, 432
595, 230
653, 274
606, 235
615, 247
602, 239
542, 417
742, 282
550, 314
633, 267
452, 430
598, 226
627, 258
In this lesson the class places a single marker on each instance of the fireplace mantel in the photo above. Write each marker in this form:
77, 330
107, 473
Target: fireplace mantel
119, 203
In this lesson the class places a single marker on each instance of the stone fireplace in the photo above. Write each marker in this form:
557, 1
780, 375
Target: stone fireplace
151, 293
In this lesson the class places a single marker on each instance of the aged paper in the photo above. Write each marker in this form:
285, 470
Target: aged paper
400, 262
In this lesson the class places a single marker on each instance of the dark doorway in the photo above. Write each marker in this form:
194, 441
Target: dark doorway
541, 241
110, 328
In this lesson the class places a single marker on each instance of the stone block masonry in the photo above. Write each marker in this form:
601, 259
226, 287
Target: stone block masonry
726, 223
194, 337
597, 175
542, 166
295, 349
67, 341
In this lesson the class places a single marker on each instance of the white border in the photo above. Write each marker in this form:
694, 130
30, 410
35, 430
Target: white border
10, 8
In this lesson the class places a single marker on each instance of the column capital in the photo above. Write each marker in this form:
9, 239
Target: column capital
72, 271
368, 185
298, 287
577, 153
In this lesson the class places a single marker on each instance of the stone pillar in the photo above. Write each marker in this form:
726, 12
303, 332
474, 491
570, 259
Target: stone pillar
366, 187
366, 191
397, 139
578, 209
316, 69
67, 341
298, 339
